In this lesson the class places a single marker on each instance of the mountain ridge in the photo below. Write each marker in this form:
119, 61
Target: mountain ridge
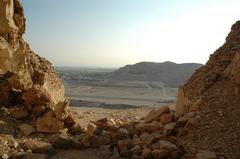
170, 73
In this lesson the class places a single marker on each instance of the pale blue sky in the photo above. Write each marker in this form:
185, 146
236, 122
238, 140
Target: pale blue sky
112, 33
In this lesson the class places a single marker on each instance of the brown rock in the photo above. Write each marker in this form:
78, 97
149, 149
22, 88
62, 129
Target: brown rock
27, 155
36, 96
157, 134
19, 114
97, 141
37, 146
155, 114
38, 111
136, 150
126, 153
124, 144
26, 129
49, 124
166, 118
69, 120
65, 142
76, 129
155, 146
7, 11
91, 128
19, 17
160, 154
61, 112
168, 129
170, 138
197, 105
135, 156
147, 138
146, 153
182, 102
206, 155
177, 154
193, 122
136, 141
122, 133
167, 145
148, 127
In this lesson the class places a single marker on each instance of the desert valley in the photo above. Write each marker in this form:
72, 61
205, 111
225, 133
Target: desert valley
146, 110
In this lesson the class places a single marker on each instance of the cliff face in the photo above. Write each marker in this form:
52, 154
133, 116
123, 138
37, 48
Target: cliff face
213, 92
17, 57
26, 79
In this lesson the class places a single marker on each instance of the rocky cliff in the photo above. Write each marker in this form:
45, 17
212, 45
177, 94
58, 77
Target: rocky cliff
29, 84
213, 92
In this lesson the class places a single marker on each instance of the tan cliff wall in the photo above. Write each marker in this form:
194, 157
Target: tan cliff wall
16, 56
213, 92
29, 84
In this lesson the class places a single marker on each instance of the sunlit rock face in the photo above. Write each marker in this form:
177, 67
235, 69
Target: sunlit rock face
213, 92
17, 57
29, 72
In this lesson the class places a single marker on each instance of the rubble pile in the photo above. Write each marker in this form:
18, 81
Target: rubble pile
155, 137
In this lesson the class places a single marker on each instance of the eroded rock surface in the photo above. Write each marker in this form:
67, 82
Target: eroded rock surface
29, 85
213, 92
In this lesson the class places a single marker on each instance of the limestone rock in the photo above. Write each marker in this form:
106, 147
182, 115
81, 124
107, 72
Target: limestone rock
148, 127
155, 114
37, 146
38, 111
64, 142
61, 111
168, 129
166, 118
26, 129
182, 102
49, 124
18, 17
36, 96
91, 128
124, 144
33, 82
167, 145
75, 129
6, 20
97, 141
19, 114
136, 150
146, 138
68, 119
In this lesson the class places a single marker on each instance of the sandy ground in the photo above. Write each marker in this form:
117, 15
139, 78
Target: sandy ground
85, 115
142, 96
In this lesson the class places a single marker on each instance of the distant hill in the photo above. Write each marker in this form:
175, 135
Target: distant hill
171, 74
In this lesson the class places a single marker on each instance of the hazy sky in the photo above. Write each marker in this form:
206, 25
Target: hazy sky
112, 33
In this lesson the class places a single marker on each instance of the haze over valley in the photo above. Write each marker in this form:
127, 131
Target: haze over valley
141, 84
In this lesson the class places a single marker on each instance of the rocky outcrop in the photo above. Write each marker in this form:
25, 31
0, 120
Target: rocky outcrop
213, 92
151, 138
29, 85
